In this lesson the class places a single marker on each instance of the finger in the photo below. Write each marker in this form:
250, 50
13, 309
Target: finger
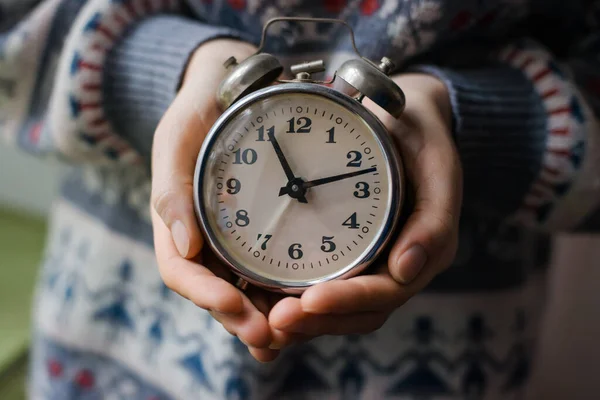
282, 339
359, 294
250, 325
264, 302
429, 237
192, 280
263, 355
288, 316
177, 142
178, 139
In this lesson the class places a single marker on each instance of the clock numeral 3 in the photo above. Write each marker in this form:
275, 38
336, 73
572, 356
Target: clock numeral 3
267, 238
328, 246
241, 218
351, 222
261, 133
303, 123
295, 251
355, 159
363, 190
247, 156
233, 186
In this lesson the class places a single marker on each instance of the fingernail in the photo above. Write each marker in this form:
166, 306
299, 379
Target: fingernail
180, 238
410, 263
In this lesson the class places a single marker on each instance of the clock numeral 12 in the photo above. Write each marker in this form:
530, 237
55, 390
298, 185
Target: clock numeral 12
303, 123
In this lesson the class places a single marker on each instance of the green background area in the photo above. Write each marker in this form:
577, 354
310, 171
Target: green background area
21, 245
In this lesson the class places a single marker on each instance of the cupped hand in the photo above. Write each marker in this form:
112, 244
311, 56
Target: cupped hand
427, 241
184, 266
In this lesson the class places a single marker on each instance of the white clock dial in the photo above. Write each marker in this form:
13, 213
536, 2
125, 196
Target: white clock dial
325, 222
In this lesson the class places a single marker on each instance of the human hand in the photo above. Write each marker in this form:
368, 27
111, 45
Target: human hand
427, 241
178, 242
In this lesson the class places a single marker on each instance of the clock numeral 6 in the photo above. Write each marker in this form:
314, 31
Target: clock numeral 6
355, 158
233, 186
267, 238
363, 190
304, 124
295, 251
351, 222
247, 156
328, 245
241, 218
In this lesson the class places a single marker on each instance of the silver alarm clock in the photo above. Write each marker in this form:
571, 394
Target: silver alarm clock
297, 182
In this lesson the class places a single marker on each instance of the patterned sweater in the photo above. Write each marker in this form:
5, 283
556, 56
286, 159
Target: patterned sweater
87, 82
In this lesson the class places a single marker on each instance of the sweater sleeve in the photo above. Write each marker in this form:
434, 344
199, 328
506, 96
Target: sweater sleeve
118, 72
527, 137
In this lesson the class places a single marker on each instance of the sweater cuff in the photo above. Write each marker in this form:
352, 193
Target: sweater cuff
500, 132
143, 72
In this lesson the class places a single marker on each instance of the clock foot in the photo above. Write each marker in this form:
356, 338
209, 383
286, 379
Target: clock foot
241, 284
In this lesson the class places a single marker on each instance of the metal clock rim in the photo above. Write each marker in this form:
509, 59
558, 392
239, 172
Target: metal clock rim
396, 185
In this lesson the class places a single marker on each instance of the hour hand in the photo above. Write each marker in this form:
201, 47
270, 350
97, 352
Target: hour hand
299, 193
282, 160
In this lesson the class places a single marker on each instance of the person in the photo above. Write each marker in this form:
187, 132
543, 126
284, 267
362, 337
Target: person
501, 95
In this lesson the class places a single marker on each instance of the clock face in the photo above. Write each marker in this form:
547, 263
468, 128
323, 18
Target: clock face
296, 189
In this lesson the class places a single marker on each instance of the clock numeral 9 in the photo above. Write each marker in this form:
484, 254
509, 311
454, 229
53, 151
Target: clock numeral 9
355, 159
363, 190
261, 133
295, 251
328, 245
267, 238
233, 186
247, 156
304, 124
351, 222
241, 218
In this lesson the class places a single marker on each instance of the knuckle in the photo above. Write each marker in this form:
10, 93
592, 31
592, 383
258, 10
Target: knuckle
168, 273
169, 202
442, 221
197, 295
162, 201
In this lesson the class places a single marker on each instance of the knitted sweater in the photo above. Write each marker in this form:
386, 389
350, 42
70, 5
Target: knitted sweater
88, 81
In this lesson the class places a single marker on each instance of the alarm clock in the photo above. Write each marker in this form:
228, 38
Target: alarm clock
297, 182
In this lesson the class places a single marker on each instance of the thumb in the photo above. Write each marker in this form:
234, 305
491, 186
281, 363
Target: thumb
177, 142
428, 239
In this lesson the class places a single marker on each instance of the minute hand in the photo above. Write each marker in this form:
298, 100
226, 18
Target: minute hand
322, 181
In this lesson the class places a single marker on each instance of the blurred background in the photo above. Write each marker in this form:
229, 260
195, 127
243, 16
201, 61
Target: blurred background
569, 357
27, 186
